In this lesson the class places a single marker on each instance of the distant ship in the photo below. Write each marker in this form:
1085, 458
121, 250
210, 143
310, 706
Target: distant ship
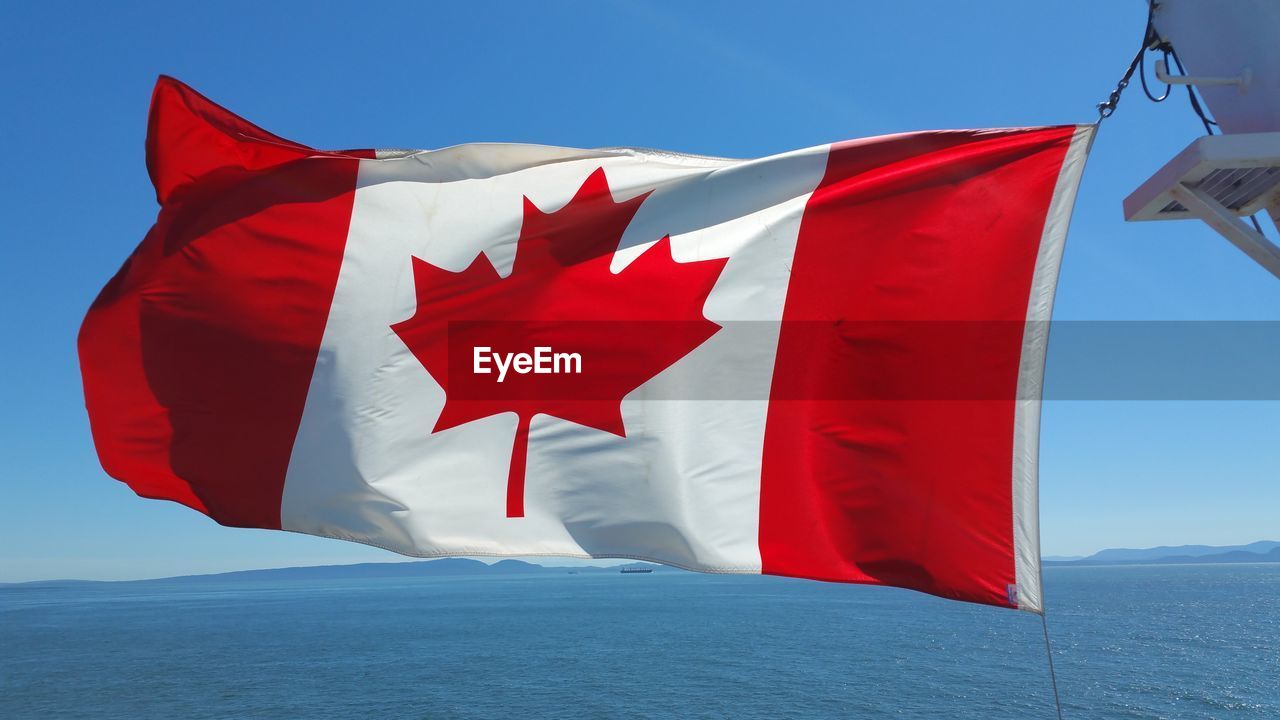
629, 570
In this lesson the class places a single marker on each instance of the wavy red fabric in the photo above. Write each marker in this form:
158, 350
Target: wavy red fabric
863, 479
196, 357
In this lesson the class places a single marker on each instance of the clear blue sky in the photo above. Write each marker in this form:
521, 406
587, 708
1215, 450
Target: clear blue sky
723, 78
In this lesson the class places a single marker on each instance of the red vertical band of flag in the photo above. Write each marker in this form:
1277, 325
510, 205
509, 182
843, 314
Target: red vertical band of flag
198, 354
864, 481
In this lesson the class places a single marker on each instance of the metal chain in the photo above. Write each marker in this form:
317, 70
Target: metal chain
1108, 107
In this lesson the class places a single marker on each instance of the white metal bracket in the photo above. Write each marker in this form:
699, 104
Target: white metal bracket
1218, 179
1220, 218
1242, 80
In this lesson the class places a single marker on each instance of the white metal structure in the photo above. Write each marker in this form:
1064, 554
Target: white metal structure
1232, 55
1218, 179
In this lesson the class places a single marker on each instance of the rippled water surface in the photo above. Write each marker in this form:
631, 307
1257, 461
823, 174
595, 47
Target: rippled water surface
1130, 642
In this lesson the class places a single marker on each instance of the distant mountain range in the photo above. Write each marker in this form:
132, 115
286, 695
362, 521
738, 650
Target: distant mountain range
1261, 551
1265, 551
419, 568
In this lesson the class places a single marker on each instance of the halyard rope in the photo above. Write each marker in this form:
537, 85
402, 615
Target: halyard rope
1048, 652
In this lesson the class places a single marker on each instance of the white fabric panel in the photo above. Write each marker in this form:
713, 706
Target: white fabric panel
678, 489
1026, 424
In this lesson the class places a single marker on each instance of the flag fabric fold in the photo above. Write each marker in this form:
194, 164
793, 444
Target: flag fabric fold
825, 363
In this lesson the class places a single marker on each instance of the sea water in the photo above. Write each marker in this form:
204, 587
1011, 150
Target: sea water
1129, 642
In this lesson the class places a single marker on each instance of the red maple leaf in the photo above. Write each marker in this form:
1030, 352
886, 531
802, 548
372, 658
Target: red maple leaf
561, 295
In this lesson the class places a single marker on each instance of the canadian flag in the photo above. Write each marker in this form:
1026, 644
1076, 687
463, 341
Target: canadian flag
823, 364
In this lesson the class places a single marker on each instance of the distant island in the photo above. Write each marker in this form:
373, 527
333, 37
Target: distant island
1263, 551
